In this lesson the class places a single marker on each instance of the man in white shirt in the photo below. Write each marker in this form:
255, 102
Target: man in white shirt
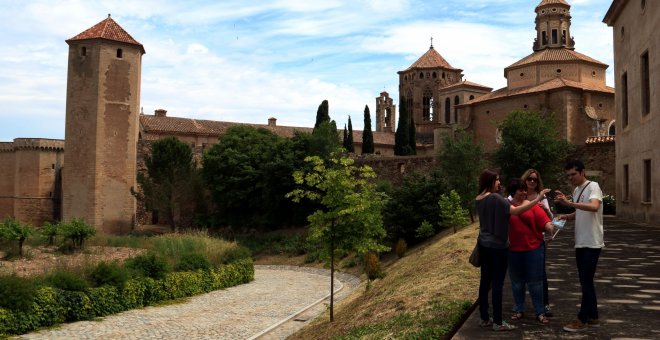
588, 216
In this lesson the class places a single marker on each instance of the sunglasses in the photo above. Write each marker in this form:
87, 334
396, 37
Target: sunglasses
530, 179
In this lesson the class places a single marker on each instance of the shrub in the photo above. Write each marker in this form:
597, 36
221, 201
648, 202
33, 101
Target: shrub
105, 273
609, 205
77, 305
192, 262
372, 266
401, 247
77, 231
453, 214
16, 293
425, 230
149, 265
13, 230
67, 281
50, 231
235, 254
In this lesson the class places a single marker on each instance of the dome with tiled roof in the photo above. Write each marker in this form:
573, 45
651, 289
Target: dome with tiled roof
553, 2
107, 29
431, 59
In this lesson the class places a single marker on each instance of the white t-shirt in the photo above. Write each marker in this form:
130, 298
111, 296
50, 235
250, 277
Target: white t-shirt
588, 225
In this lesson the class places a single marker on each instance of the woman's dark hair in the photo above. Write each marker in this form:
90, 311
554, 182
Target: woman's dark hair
486, 180
514, 185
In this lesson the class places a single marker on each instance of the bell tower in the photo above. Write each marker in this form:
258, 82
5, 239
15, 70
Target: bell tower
553, 25
385, 113
102, 112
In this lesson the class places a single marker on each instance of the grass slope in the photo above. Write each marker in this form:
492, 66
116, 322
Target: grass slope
421, 297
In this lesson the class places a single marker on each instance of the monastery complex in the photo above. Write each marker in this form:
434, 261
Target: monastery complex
106, 132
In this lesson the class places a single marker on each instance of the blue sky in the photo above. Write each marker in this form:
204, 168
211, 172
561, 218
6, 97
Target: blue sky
246, 61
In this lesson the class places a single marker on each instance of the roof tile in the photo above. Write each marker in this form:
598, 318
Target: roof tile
107, 29
430, 59
554, 55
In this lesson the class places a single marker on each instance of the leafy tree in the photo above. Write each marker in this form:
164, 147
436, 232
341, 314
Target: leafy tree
367, 135
169, 186
350, 219
77, 230
322, 114
411, 203
412, 136
453, 214
324, 140
530, 140
350, 145
248, 172
13, 230
462, 160
402, 135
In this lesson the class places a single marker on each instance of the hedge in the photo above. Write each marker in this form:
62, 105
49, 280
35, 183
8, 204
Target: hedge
52, 306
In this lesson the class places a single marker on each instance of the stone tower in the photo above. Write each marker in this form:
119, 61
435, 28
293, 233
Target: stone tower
102, 112
553, 25
385, 113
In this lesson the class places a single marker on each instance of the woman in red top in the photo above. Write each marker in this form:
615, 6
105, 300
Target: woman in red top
526, 252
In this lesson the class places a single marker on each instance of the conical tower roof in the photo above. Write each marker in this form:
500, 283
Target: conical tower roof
431, 59
107, 29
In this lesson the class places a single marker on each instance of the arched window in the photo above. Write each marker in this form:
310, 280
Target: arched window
427, 103
456, 102
447, 110
388, 114
83, 51
421, 75
435, 75
471, 97
120, 53
611, 130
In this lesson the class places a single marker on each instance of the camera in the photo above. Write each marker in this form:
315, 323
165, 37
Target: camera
551, 195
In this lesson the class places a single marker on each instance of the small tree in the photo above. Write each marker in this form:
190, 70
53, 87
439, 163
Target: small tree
530, 140
350, 145
50, 231
77, 230
402, 135
322, 114
367, 135
453, 214
13, 230
462, 160
345, 139
351, 216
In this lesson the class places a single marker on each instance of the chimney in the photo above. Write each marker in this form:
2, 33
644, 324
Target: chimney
272, 121
160, 113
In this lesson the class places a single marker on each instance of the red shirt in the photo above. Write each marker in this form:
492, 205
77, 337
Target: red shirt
526, 230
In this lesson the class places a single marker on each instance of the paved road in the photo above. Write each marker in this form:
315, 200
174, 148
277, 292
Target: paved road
627, 287
241, 312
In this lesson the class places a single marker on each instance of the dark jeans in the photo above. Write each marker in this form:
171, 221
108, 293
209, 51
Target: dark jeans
587, 259
546, 298
493, 270
526, 269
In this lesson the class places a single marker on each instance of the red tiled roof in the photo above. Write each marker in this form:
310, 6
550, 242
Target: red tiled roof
154, 126
556, 83
553, 2
431, 59
554, 55
601, 139
107, 29
467, 83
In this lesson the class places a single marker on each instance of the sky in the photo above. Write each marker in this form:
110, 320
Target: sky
246, 61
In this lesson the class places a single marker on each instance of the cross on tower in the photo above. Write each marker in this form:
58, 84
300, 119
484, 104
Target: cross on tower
431, 42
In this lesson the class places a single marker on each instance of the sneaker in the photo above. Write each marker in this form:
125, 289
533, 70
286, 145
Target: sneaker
575, 326
503, 327
547, 311
593, 323
486, 323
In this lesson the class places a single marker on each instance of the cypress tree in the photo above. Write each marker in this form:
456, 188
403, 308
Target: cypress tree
401, 137
322, 114
367, 135
345, 140
350, 146
412, 137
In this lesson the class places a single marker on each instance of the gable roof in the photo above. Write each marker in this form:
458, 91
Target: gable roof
553, 84
554, 55
431, 59
107, 29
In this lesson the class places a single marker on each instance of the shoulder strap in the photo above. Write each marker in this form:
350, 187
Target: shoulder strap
581, 192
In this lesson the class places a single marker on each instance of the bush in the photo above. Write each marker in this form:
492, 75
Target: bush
65, 280
13, 230
609, 205
192, 262
372, 266
111, 274
401, 247
425, 230
77, 305
149, 265
453, 214
50, 231
16, 293
77, 231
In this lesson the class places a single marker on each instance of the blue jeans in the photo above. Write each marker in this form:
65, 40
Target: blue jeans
493, 270
527, 268
587, 259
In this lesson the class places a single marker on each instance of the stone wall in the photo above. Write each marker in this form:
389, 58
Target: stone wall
599, 161
394, 169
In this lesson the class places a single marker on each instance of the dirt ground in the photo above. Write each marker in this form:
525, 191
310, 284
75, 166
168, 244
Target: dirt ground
39, 260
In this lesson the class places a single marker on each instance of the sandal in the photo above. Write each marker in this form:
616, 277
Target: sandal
517, 316
543, 319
